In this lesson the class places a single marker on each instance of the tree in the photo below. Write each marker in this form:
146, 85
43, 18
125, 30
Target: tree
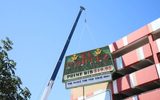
10, 84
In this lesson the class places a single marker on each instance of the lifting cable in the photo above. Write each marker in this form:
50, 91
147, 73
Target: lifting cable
87, 29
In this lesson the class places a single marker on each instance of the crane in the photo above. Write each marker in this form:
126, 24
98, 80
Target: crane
49, 86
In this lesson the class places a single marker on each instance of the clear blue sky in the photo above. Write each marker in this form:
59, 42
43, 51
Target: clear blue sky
39, 29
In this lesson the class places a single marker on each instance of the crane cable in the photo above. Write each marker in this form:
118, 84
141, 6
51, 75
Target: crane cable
86, 28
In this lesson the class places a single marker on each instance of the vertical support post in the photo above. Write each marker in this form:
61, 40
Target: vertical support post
83, 92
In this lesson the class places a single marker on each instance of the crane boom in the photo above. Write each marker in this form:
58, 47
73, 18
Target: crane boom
53, 77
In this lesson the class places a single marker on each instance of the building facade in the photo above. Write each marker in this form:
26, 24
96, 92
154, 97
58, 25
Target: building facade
137, 63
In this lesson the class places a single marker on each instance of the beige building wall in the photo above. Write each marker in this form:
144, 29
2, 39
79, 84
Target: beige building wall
80, 93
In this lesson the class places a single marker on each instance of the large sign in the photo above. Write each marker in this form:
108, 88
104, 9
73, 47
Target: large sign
89, 64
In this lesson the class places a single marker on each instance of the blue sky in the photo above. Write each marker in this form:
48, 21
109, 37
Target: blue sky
39, 29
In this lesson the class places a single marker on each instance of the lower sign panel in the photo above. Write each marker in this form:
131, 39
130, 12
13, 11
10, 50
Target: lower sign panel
87, 81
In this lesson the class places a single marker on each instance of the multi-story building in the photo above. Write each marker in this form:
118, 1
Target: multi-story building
137, 63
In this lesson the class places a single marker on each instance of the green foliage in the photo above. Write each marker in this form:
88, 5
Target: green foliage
10, 84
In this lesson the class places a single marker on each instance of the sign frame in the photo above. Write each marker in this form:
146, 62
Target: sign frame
89, 64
